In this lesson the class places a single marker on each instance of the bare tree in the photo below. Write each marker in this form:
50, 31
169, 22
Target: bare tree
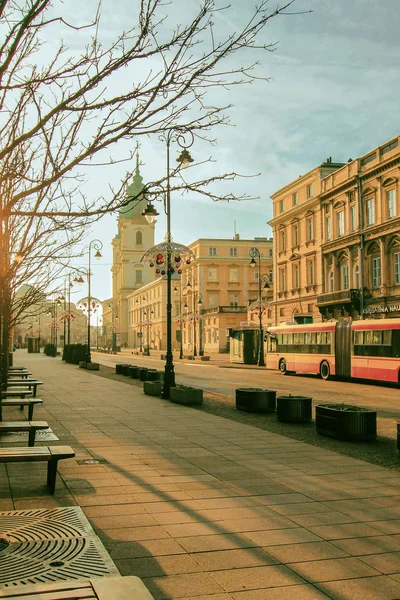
63, 111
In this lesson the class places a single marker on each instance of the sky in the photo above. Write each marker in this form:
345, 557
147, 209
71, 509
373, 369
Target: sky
333, 91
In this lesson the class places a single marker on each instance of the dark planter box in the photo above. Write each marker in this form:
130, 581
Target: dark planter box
293, 409
255, 400
82, 364
143, 373
345, 424
186, 396
134, 372
398, 437
204, 357
152, 375
159, 376
152, 388
125, 370
118, 369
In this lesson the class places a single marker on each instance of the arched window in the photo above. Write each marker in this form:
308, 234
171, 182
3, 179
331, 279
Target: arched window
330, 281
356, 282
139, 238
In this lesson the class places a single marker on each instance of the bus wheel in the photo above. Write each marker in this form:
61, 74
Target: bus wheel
282, 366
325, 370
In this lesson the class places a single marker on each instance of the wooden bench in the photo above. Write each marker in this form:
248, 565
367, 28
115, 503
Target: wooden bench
16, 394
30, 426
51, 454
21, 402
20, 374
100, 588
29, 383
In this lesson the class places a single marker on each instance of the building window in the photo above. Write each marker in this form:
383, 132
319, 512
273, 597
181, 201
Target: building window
356, 282
271, 252
370, 211
139, 238
310, 272
212, 275
296, 278
281, 206
340, 223
234, 275
271, 276
282, 280
212, 252
233, 251
309, 191
281, 312
295, 199
282, 241
391, 203
138, 276
345, 277
212, 300
376, 272
328, 228
396, 263
295, 235
330, 281
353, 217
310, 229
234, 300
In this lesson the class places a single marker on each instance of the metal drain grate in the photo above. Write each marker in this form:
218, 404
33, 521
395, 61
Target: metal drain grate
44, 524
46, 545
92, 461
54, 560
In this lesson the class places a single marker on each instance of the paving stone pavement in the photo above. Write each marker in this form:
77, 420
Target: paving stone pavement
203, 508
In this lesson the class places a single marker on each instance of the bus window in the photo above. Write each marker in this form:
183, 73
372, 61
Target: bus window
271, 346
313, 337
367, 338
279, 339
295, 338
318, 337
377, 337
290, 338
301, 338
387, 337
307, 338
284, 339
358, 338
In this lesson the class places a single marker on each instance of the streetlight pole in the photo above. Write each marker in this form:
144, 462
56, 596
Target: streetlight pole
180, 319
177, 135
97, 245
262, 282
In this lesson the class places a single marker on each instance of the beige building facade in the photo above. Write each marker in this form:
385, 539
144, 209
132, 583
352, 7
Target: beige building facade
217, 290
337, 240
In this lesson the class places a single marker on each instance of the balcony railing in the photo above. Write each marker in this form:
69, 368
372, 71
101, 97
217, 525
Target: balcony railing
338, 297
224, 309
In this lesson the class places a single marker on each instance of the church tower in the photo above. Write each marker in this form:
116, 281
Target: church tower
135, 235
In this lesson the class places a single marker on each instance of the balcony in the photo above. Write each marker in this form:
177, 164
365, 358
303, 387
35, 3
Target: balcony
343, 297
224, 309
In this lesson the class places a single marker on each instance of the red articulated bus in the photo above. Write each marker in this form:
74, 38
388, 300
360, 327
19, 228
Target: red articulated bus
367, 349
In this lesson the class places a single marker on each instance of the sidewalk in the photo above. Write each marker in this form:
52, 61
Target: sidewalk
220, 360
203, 508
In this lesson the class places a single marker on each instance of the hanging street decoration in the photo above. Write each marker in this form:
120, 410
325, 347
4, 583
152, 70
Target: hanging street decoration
178, 255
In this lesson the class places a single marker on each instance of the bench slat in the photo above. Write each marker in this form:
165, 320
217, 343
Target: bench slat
30, 426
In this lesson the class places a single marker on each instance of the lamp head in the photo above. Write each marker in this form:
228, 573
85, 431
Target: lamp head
184, 159
98, 255
252, 263
150, 213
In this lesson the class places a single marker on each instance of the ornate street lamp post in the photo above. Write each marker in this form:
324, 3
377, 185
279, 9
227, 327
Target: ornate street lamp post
263, 282
168, 250
180, 319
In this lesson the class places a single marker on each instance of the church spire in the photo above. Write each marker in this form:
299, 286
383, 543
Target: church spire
135, 207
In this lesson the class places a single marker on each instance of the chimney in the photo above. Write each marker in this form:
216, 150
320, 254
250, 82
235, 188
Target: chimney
237, 236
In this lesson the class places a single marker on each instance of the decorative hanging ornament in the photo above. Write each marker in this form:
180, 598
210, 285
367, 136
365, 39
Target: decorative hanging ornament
188, 261
158, 271
151, 264
177, 259
163, 272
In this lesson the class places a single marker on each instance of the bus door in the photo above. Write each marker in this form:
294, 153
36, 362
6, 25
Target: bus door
343, 349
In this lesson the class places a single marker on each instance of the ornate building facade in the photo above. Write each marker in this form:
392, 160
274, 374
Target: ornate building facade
337, 240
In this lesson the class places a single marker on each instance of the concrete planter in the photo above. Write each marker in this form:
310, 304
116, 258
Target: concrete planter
93, 366
153, 388
398, 438
152, 375
351, 425
255, 400
186, 395
125, 370
204, 358
293, 409
118, 369
82, 364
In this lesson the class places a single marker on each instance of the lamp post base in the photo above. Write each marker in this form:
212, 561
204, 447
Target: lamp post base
169, 380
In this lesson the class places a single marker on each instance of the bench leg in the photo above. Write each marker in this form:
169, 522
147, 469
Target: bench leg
51, 474
30, 412
31, 437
